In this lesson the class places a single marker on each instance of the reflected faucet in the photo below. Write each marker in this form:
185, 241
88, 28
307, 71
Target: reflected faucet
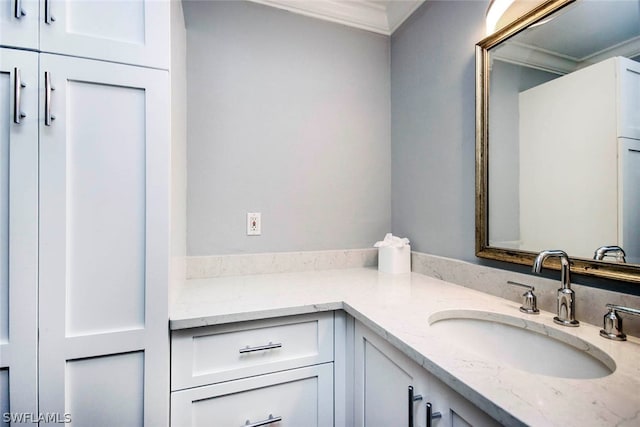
615, 251
566, 296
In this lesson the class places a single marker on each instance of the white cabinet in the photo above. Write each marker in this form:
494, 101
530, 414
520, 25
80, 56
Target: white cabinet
296, 397
85, 265
103, 253
383, 375
20, 23
18, 231
246, 372
129, 31
576, 126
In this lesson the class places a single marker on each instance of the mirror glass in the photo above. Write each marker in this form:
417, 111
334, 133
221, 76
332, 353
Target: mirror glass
563, 133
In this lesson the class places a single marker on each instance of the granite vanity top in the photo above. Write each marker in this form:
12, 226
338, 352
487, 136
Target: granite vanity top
398, 308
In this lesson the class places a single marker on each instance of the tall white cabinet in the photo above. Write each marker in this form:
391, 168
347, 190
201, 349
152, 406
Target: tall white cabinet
84, 184
579, 139
18, 231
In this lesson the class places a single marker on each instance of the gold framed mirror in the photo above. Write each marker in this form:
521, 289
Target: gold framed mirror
558, 136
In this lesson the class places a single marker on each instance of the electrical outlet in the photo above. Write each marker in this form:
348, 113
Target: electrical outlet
254, 224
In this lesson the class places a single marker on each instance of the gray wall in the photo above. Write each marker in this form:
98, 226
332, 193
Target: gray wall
433, 134
433, 127
507, 81
287, 116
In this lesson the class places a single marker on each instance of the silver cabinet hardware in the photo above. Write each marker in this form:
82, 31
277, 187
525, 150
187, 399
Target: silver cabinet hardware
431, 415
615, 251
48, 88
48, 17
269, 346
17, 91
268, 421
18, 11
612, 323
529, 300
410, 406
412, 399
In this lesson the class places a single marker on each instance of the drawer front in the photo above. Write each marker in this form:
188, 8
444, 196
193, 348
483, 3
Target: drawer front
213, 354
299, 397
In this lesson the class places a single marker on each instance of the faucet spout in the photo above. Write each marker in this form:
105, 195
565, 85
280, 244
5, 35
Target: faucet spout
565, 271
566, 296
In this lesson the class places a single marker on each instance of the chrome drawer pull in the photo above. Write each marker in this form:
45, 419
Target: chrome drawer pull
18, 11
17, 90
268, 421
269, 346
48, 17
412, 398
432, 415
48, 88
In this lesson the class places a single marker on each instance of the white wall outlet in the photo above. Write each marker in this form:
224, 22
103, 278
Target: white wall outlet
254, 224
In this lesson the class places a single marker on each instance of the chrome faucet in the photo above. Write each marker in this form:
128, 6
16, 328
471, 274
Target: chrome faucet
615, 251
566, 297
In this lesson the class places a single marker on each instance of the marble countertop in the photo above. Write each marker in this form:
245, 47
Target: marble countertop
398, 308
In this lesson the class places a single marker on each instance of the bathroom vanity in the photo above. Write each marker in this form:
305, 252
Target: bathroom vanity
345, 345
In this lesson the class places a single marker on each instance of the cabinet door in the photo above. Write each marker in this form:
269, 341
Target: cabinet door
300, 397
382, 375
382, 380
104, 236
127, 31
19, 23
18, 232
455, 410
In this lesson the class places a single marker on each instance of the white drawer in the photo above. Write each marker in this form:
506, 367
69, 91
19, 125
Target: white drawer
213, 354
301, 397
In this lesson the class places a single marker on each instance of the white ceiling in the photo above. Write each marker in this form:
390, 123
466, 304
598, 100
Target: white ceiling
583, 33
378, 16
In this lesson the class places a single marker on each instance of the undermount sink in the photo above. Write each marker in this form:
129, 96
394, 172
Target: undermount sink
521, 343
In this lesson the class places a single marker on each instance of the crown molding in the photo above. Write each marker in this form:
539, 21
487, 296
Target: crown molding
378, 16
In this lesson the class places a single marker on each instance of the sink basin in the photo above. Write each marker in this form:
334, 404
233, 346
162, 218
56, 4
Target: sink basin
522, 344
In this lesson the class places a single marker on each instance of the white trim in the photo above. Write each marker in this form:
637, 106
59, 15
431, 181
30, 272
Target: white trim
382, 17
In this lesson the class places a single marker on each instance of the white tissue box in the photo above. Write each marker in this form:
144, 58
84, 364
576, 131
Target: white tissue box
394, 260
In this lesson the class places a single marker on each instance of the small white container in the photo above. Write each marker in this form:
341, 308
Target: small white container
394, 260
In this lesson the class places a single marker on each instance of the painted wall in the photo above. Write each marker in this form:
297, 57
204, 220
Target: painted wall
433, 135
433, 127
287, 116
507, 81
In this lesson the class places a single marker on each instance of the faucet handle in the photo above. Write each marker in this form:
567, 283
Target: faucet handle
529, 300
612, 323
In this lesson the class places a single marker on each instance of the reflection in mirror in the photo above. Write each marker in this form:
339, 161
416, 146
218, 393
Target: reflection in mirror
564, 133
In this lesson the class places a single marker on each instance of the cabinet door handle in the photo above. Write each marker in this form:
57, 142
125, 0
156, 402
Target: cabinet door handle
269, 346
410, 401
431, 415
17, 96
48, 88
18, 11
48, 17
268, 421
